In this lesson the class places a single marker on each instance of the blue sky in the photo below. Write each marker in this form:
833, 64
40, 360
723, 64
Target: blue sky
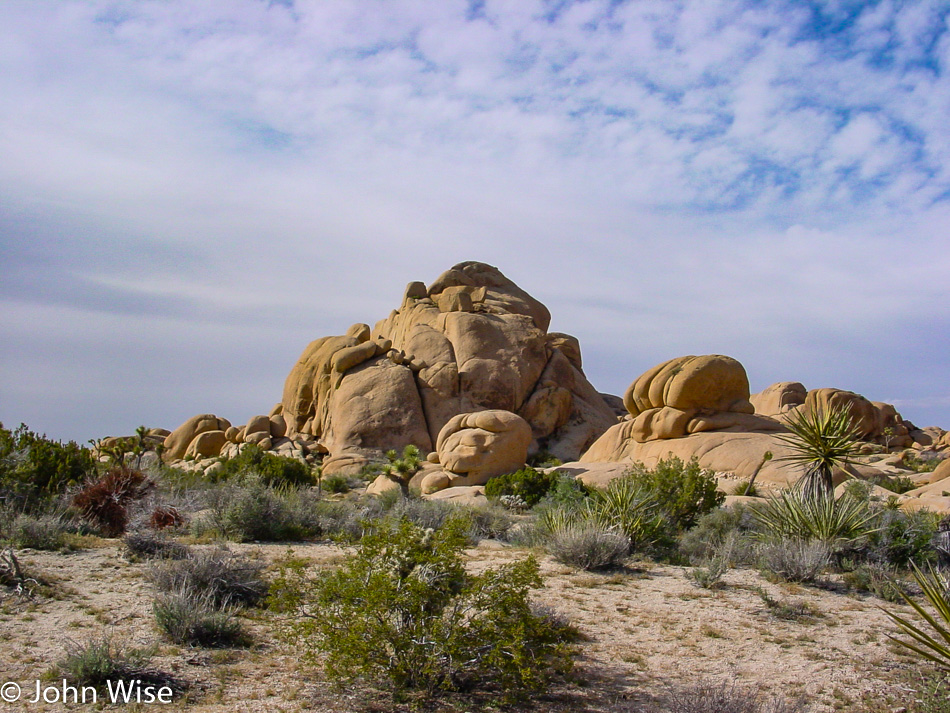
190, 192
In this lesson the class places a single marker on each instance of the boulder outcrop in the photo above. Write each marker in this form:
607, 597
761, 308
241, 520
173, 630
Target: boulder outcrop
470, 341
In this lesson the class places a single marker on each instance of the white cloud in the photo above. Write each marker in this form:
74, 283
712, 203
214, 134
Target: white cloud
699, 176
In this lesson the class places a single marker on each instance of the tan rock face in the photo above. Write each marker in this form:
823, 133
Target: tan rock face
779, 398
874, 421
689, 395
471, 341
475, 447
177, 442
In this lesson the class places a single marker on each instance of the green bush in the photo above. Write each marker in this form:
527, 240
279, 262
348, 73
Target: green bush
226, 578
403, 609
271, 469
630, 508
880, 580
528, 485
195, 620
733, 526
40, 532
684, 490
335, 484
34, 467
585, 545
899, 538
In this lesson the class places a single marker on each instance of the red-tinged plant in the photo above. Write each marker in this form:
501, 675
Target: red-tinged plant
105, 502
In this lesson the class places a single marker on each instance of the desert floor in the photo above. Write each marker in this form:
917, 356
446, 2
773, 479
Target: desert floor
648, 630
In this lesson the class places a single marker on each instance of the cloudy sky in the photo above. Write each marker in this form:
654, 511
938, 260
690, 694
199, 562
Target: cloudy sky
192, 191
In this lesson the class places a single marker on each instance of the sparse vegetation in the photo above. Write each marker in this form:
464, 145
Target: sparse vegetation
223, 576
197, 619
150, 545
100, 660
795, 560
404, 610
104, 502
586, 545
727, 697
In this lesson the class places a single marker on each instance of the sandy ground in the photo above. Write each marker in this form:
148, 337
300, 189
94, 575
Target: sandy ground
648, 629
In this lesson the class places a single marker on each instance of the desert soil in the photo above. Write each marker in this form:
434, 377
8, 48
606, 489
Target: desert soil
647, 630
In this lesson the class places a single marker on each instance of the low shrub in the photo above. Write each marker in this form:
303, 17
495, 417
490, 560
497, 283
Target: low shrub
149, 545
733, 527
727, 697
880, 580
685, 491
40, 532
98, 661
260, 512
403, 609
253, 461
795, 560
104, 503
585, 545
164, 517
225, 577
528, 485
708, 572
196, 620
335, 484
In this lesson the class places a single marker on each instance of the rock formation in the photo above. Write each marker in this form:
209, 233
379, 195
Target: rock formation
471, 341
472, 448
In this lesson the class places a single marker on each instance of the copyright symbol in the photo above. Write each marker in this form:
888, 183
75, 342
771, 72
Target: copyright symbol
10, 692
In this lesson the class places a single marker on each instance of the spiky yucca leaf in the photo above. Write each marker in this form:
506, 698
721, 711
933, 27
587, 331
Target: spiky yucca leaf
628, 508
798, 515
820, 442
937, 592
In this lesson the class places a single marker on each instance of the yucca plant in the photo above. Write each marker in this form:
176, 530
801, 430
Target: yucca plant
820, 442
405, 467
936, 647
628, 508
799, 515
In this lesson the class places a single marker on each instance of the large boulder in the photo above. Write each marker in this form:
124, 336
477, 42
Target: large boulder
177, 442
475, 447
471, 341
779, 398
691, 394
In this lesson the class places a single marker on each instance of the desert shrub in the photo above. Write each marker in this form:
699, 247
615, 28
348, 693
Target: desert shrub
733, 526
489, 522
798, 515
708, 572
225, 577
585, 545
260, 512
528, 485
566, 491
543, 459
164, 517
795, 560
197, 620
920, 464
685, 491
896, 483
335, 484
33, 467
40, 532
150, 545
899, 538
105, 502
727, 697
403, 609
880, 580
272, 469
746, 488
627, 507
100, 660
